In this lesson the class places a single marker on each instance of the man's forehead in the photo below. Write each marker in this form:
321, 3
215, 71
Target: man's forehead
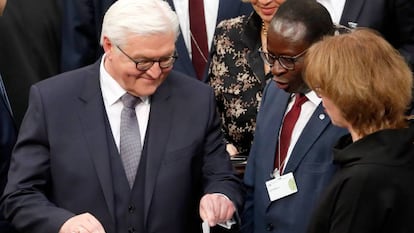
291, 30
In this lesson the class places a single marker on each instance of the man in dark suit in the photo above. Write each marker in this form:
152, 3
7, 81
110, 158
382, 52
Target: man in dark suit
308, 149
29, 48
81, 31
394, 19
68, 172
8, 133
82, 23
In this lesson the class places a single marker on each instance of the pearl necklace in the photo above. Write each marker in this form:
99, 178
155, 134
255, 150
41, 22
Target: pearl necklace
264, 29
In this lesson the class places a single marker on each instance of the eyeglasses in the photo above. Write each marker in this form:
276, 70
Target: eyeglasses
144, 64
286, 62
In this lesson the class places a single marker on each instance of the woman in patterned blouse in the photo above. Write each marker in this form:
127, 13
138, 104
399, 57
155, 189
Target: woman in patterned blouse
238, 74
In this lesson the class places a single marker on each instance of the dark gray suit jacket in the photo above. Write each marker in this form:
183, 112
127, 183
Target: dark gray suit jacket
29, 48
8, 134
61, 166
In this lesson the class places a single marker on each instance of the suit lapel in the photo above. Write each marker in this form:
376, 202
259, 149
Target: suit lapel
157, 133
351, 12
223, 10
273, 113
313, 129
93, 120
184, 60
183, 63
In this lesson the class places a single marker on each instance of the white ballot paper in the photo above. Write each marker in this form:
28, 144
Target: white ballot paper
206, 227
227, 225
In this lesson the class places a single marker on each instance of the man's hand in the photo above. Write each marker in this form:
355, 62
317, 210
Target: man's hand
231, 149
216, 208
83, 223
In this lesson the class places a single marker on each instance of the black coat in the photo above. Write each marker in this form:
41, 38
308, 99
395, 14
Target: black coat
373, 190
7, 140
29, 48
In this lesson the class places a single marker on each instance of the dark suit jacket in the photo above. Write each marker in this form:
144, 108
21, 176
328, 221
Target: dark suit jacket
394, 19
29, 48
81, 29
8, 135
310, 162
61, 164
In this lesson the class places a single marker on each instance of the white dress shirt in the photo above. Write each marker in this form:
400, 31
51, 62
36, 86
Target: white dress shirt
335, 8
307, 109
210, 13
112, 93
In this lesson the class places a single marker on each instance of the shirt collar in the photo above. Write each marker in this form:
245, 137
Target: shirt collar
313, 98
111, 90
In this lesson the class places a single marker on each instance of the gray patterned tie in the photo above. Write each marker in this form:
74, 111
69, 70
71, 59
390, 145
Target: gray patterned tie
130, 141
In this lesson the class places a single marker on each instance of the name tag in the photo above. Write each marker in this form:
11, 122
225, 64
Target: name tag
281, 186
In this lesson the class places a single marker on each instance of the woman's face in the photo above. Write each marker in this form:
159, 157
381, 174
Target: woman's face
266, 8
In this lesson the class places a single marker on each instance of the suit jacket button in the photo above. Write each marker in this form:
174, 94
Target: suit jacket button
269, 227
131, 209
131, 230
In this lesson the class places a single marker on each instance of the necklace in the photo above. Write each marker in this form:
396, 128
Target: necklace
198, 47
264, 29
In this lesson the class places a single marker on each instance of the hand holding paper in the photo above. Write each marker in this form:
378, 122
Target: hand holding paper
217, 209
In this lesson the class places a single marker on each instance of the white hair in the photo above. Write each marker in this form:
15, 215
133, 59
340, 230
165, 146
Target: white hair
138, 17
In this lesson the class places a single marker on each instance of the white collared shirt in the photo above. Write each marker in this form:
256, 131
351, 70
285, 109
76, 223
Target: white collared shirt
307, 109
335, 8
111, 93
210, 13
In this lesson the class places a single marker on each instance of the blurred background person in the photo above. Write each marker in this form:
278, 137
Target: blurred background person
7, 139
394, 19
190, 45
29, 48
82, 20
8, 134
294, 137
238, 74
365, 86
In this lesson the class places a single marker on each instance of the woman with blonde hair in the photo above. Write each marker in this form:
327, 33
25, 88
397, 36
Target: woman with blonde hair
365, 86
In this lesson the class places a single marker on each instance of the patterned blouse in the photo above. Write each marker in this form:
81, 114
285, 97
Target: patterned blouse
237, 76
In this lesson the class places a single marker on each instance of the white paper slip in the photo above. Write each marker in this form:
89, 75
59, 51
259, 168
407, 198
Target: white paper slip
227, 224
206, 227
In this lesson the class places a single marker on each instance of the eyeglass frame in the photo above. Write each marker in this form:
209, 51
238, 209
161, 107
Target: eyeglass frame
294, 59
173, 57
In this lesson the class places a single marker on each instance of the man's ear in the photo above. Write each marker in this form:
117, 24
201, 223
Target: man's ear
107, 44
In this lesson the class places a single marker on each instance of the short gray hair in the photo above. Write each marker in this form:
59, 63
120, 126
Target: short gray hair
138, 17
